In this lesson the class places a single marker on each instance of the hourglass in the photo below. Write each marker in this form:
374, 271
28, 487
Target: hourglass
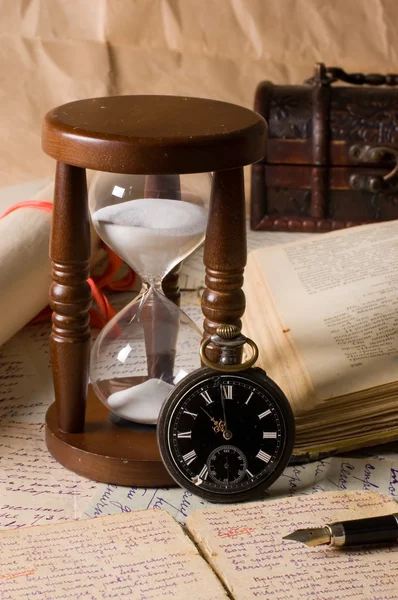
153, 222
150, 204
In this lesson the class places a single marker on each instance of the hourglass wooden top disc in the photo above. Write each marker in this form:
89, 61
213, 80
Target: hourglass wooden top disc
154, 134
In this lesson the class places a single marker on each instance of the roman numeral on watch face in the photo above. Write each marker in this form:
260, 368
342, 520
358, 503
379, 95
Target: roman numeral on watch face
191, 414
264, 414
206, 396
269, 435
204, 472
189, 457
263, 456
184, 434
226, 392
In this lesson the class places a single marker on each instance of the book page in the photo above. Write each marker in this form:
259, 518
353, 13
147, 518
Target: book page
244, 545
336, 295
140, 556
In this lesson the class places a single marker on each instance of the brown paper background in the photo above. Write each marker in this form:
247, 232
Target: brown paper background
56, 51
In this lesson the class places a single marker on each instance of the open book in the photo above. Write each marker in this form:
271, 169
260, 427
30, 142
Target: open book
324, 312
231, 552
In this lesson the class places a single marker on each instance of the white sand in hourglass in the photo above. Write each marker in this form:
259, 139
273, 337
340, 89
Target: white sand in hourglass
141, 403
152, 235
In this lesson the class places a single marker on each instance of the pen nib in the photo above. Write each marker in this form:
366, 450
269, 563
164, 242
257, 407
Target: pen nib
310, 537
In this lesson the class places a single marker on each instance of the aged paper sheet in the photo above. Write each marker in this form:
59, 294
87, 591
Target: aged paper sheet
144, 555
245, 547
330, 474
34, 488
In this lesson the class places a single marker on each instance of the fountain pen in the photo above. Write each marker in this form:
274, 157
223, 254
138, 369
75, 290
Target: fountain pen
374, 530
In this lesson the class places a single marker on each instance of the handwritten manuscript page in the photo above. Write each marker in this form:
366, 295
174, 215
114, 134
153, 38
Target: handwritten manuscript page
335, 473
139, 555
244, 545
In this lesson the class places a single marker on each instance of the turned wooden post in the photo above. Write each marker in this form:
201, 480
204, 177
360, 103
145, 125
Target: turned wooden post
223, 300
70, 296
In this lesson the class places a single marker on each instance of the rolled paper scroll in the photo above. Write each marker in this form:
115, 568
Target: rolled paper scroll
24, 262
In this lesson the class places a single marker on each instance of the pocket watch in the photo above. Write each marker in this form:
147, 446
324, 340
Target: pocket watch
226, 431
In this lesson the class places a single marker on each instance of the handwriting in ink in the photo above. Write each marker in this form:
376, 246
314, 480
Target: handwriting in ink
367, 484
393, 482
8, 576
345, 471
236, 532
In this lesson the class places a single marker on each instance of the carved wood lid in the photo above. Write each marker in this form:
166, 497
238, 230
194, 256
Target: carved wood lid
354, 116
154, 134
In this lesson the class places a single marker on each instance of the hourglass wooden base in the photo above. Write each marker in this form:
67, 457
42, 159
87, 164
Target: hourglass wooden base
106, 452
148, 135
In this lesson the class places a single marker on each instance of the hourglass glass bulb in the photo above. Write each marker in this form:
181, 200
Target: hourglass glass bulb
152, 222
151, 234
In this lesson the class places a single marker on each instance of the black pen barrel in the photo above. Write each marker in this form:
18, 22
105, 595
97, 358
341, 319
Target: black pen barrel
376, 530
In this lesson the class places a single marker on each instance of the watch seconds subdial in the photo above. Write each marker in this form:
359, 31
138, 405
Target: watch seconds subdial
227, 465
194, 444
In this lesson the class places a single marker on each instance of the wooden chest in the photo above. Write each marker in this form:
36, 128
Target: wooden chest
332, 158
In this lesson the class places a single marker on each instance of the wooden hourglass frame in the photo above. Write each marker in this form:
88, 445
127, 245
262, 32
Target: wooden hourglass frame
152, 136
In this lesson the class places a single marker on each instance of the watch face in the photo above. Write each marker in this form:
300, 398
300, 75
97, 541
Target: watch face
224, 435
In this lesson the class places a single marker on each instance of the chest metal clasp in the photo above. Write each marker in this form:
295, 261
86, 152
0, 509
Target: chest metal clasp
372, 154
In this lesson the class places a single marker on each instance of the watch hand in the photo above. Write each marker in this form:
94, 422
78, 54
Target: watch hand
226, 433
218, 425
210, 417
223, 409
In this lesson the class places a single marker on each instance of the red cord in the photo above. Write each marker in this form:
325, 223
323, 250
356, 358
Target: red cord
105, 312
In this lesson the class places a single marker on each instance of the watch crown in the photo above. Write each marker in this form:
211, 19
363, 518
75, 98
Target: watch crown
228, 332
